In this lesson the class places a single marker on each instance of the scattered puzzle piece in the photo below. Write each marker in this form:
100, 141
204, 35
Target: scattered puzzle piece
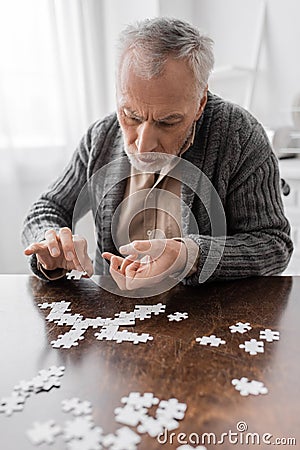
178, 316
211, 340
151, 426
78, 428
57, 309
128, 415
124, 439
145, 311
76, 406
91, 441
138, 400
240, 327
171, 408
107, 332
15, 402
135, 338
69, 319
247, 387
43, 432
69, 339
269, 335
253, 346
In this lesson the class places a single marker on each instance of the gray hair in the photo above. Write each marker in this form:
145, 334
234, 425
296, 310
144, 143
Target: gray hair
152, 41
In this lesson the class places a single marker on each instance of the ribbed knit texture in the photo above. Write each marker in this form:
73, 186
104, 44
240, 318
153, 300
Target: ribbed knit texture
232, 150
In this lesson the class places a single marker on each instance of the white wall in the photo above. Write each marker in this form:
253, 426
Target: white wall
234, 26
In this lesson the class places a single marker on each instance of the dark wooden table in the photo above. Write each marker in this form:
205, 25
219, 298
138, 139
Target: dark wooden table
172, 365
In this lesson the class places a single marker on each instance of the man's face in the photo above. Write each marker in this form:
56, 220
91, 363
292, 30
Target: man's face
158, 115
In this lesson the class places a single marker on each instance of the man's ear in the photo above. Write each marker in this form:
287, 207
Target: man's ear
202, 103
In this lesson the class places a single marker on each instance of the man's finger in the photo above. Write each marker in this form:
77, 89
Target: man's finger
135, 247
128, 261
37, 247
80, 245
152, 247
52, 243
107, 255
116, 262
66, 239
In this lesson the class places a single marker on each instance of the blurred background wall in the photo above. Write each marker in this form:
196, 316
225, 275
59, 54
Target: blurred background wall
57, 77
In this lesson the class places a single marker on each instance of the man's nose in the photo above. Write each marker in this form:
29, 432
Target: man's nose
147, 140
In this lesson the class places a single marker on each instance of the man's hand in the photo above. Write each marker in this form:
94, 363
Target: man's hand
148, 262
62, 251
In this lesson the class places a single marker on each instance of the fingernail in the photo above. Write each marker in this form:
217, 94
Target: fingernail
70, 255
54, 251
125, 248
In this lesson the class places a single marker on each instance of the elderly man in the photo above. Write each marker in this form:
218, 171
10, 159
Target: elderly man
165, 116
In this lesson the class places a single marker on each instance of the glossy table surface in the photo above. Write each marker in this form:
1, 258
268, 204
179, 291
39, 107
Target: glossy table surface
173, 364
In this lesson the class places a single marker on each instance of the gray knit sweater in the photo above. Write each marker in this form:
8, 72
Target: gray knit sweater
232, 150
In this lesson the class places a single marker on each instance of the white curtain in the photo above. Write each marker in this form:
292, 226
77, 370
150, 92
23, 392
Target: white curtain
56, 78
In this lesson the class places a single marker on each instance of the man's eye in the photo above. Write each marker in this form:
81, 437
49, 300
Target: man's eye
166, 124
132, 119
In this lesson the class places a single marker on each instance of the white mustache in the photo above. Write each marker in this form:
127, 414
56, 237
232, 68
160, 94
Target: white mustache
151, 162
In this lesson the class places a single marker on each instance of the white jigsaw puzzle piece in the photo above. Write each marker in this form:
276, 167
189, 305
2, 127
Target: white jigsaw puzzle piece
123, 439
76, 406
69, 339
138, 400
43, 432
128, 336
128, 415
75, 274
253, 347
246, 387
240, 327
269, 335
91, 441
211, 340
78, 428
177, 316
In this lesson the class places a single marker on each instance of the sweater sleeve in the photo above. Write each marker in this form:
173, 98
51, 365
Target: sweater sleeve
258, 233
54, 208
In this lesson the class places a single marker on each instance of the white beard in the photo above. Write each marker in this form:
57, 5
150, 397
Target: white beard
150, 162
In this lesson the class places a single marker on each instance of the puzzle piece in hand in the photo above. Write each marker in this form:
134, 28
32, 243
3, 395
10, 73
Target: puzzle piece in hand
43, 432
78, 428
128, 336
77, 406
253, 346
15, 402
69, 339
211, 340
247, 387
128, 415
269, 335
177, 316
138, 401
75, 274
240, 327
124, 439
91, 441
